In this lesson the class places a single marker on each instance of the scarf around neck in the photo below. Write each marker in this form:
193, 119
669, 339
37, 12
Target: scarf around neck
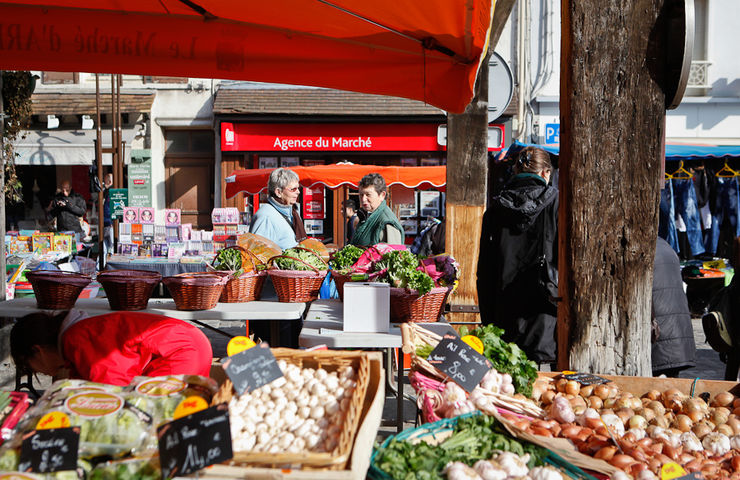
291, 215
370, 230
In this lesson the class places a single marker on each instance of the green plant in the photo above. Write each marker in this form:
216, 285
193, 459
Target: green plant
17, 89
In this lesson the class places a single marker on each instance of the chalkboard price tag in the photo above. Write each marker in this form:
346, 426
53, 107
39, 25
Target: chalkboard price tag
586, 378
52, 450
192, 443
460, 362
251, 369
692, 476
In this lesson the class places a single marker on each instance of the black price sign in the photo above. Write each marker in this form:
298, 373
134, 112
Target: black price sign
692, 476
53, 450
194, 442
460, 362
586, 378
252, 368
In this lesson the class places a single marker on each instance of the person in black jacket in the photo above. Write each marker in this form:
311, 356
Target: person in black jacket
673, 346
518, 229
67, 207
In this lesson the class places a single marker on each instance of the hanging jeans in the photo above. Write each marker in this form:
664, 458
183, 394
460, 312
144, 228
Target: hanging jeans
728, 193
666, 221
686, 206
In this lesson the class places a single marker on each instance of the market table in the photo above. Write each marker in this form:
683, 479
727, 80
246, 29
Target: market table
167, 269
324, 324
257, 310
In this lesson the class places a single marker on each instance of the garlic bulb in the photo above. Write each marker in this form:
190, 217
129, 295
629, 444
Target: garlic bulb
716, 444
488, 471
545, 473
513, 464
691, 442
460, 471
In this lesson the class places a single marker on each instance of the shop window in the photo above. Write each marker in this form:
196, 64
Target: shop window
189, 141
58, 78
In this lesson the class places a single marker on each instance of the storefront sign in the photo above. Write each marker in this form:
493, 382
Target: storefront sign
313, 203
361, 137
140, 183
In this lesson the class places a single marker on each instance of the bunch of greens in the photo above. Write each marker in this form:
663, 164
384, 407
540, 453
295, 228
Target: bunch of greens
229, 259
506, 357
474, 438
308, 256
343, 259
133, 469
399, 269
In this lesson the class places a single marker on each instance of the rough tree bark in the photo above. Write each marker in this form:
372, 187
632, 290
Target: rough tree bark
611, 116
2, 190
467, 170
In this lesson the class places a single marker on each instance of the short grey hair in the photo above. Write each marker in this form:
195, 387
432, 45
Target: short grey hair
375, 180
280, 178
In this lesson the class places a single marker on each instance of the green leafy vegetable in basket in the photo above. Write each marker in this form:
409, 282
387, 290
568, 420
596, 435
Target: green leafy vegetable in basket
343, 259
474, 438
400, 268
506, 357
308, 256
229, 259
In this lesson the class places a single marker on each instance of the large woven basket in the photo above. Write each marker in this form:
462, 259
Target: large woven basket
129, 289
330, 361
195, 291
409, 306
294, 286
246, 288
57, 290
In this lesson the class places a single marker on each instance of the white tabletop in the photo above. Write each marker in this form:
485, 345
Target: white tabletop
258, 310
324, 324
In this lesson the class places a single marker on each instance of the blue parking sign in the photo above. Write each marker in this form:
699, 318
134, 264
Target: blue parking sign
552, 133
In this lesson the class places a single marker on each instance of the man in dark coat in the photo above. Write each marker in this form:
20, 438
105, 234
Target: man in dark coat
67, 206
673, 347
518, 228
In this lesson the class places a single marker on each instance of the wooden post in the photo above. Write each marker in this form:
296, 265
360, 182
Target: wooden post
467, 170
611, 117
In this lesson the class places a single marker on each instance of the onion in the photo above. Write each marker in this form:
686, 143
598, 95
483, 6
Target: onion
607, 453
587, 391
734, 422
572, 387
718, 416
723, 399
647, 413
726, 429
595, 402
683, 423
657, 407
637, 421
548, 396
696, 416
560, 384
621, 461
670, 393
701, 429
601, 391
652, 395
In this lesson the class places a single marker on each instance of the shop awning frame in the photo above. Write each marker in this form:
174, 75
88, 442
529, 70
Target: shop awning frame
340, 175
673, 152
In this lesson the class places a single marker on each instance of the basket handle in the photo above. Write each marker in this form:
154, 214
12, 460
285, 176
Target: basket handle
298, 247
271, 260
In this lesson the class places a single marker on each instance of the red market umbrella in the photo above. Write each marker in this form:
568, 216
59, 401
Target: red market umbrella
337, 175
428, 50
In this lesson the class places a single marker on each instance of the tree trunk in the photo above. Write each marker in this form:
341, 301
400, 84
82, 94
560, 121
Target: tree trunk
611, 115
467, 170
2, 189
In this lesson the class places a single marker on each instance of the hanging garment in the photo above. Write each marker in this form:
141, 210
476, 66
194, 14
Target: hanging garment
725, 215
666, 221
686, 207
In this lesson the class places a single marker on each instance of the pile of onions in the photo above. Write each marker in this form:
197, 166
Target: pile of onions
643, 432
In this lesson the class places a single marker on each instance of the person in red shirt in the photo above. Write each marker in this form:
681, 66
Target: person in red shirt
112, 348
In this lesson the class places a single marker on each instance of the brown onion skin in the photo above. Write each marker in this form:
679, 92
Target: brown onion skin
622, 461
723, 399
693, 465
735, 463
541, 431
636, 468
606, 453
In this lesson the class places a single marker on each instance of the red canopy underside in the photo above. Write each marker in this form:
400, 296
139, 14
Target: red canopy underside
337, 175
427, 50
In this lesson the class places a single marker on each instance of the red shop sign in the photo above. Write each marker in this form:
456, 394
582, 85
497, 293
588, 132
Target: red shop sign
313, 203
364, 137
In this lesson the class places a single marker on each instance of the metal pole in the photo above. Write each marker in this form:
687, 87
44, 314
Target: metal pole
99, 160
2, 189
119, 133
113, 118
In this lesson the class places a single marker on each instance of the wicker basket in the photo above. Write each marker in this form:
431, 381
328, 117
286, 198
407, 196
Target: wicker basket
294, 286
129, 289
57, 290
408, 306
195, 291
340, 280
246, 288
329, 361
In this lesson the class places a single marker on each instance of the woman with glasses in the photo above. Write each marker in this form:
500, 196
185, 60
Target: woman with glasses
278, 219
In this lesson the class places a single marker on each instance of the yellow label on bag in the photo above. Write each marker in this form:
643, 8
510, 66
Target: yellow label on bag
189, 406
53, 420
474, 342
239, 344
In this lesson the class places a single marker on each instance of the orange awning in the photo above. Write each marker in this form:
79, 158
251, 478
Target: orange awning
337, 175
427, 50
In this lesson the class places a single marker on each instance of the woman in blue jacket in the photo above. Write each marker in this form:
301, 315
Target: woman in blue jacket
278, 219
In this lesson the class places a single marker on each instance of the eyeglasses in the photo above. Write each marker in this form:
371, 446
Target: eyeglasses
294, 189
